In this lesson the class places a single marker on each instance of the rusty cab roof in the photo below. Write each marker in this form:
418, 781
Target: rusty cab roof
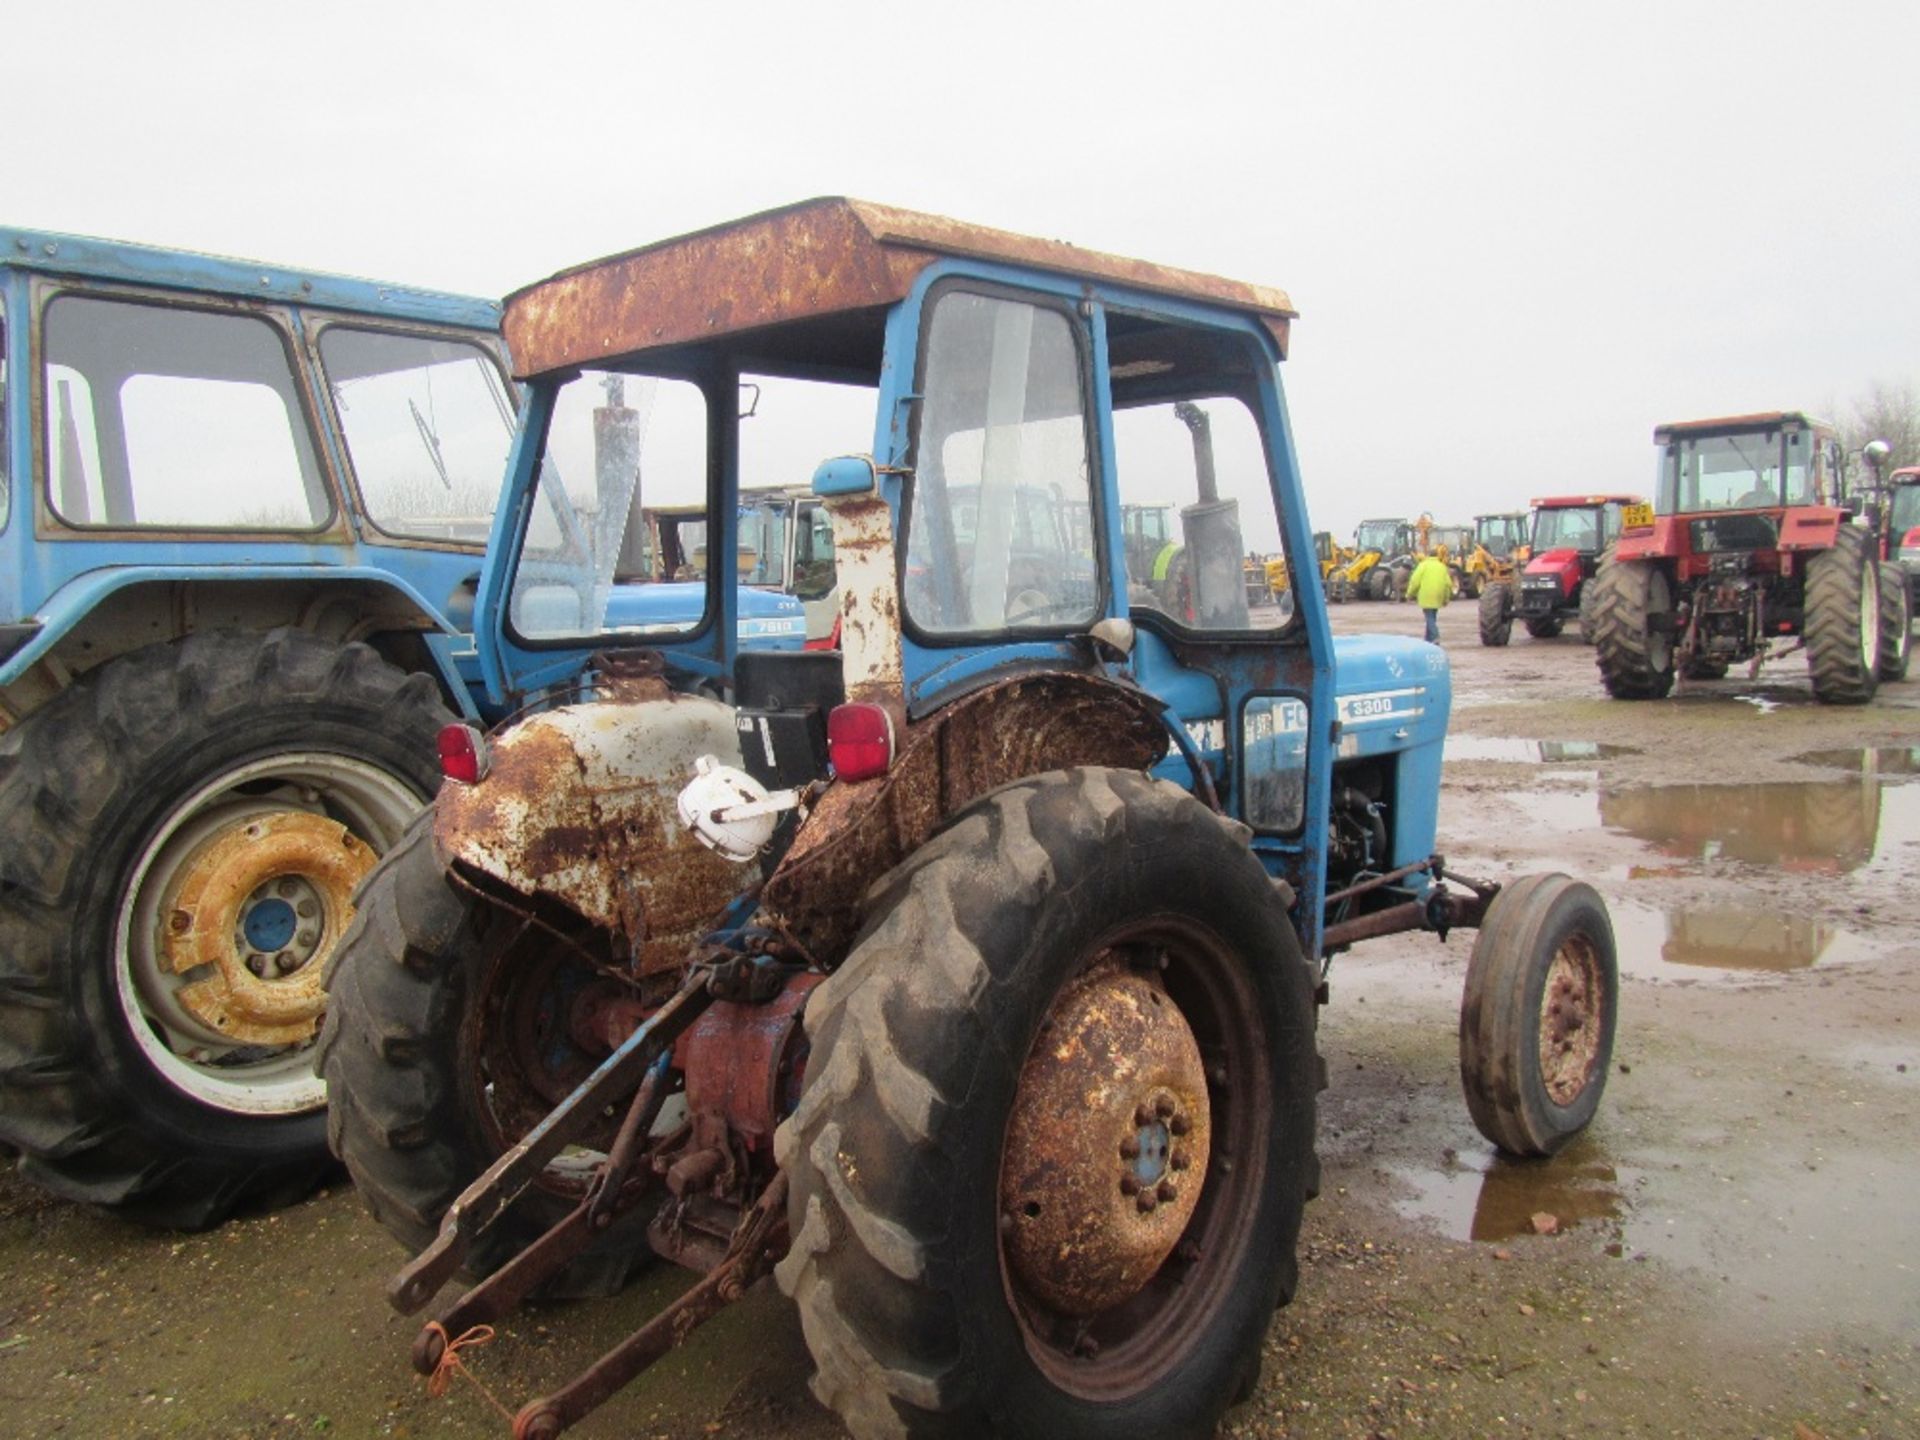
809, 283
1575, 502
1736, 424
1905, 475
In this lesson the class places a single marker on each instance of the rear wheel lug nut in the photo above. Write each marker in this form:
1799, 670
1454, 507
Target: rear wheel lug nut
1179, 1125
1142, 1115
1129, 1148
1164, 1107
1165, 1190
1129, 1185
1147, 1201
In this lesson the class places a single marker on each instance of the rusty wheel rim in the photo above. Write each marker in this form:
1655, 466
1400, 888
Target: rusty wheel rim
1132, 1322
200, 910
523, 1057
1572, 1019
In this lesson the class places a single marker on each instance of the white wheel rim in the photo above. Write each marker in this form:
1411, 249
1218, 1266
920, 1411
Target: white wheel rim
1659, 645
372, 804
1869, 619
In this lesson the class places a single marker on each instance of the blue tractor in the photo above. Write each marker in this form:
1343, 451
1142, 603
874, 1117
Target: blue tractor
242, 515
964, 977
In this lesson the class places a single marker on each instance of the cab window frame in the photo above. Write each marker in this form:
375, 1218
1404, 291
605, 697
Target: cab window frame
1087, 393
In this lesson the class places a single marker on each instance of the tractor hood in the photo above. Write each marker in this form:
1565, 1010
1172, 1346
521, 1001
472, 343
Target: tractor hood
1562, 565
1393, 693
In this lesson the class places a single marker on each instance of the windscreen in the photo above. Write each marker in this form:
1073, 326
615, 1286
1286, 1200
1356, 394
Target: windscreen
1746, 471
1569, 529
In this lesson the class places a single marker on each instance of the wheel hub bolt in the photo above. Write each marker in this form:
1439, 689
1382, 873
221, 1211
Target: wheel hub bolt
1165, 1190
1129, 1185
1147, 1202
1181, 1160
1164, 1107
1179, 1124
1129, 1148
1142, 1115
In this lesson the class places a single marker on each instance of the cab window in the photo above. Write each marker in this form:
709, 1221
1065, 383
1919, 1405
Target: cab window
427, 422
1001, 463
165, 416
1198, 516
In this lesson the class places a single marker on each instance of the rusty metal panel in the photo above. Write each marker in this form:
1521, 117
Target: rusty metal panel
865, 573
578, 806
822, 257
1047, 720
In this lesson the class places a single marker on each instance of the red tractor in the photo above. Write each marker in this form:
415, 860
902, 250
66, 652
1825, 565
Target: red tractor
1569, 534
1751, 540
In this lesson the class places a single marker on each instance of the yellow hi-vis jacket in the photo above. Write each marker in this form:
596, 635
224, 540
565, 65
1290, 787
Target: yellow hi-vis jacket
1431, 583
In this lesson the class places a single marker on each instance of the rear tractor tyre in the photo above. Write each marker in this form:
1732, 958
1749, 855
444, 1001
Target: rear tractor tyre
1545, 627
433, 997
1078, 1024
191, 821
1633, 651
1380, 583
1896, 623
1537, 1020
1842, 624
1496, 615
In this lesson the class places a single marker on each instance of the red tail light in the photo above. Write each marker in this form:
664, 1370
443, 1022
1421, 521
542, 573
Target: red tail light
463, 754
859, 741
1911, 540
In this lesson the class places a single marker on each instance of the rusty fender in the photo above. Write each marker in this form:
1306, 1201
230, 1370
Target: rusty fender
1045, 720
577, 806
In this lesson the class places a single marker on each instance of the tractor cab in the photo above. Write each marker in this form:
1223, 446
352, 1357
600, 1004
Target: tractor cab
1501, 535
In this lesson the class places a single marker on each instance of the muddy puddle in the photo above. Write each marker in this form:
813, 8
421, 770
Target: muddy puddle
1782, 1251
1515, 750
1489, 1198
1862, 829
1879, 761
1668, 944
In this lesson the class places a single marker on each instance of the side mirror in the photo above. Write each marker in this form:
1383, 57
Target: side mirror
846, 475
1850, 506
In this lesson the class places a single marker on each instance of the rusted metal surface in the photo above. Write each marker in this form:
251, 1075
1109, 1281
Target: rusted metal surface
1047, 720
866, 574
743, 1062
304, 865
482, 1202
758, 1244
1573, 1019
821, 258
1107, 1147
578, 807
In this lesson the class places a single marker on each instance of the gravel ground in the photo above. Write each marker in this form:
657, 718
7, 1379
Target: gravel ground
1732, 1251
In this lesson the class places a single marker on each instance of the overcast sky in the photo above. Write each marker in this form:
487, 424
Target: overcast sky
1519, 236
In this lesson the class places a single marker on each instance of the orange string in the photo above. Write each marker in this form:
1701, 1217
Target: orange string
450, 1363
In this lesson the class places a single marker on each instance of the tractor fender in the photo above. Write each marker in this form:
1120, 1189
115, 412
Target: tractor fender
1665, 541
577, 805
1032, 723
1812, 527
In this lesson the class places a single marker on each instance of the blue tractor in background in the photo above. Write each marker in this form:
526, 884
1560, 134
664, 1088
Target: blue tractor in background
965, 976
242, 515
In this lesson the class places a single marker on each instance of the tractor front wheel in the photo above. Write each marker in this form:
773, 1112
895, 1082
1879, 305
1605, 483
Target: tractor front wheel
1048, 1169
1842, 625
1496, 615
1538, 1016
1545, 627
1896, 623
1632, 629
